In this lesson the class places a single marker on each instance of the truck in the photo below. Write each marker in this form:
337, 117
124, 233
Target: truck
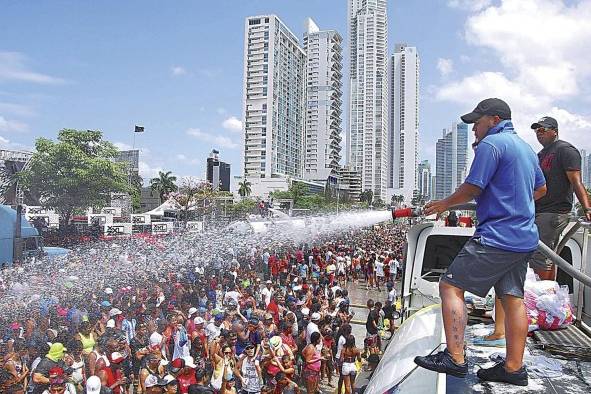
431, 247
20, 242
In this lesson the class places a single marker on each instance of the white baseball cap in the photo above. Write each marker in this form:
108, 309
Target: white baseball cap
198, 320
111, 323
315, 316
305, 311
114, 312
93, 385
108, 290
189, 362
192, 310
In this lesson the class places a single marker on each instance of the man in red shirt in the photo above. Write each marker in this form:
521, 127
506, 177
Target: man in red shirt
274, 267
186, 375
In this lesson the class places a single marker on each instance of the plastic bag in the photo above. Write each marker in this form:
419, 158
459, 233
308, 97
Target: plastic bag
554, 310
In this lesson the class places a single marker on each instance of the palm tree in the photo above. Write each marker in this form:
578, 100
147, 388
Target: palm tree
366, 196
244, 188
164, 184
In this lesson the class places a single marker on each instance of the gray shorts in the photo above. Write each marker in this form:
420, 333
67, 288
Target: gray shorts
478, 268
550, 226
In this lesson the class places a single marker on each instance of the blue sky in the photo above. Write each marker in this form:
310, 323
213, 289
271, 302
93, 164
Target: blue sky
176, 67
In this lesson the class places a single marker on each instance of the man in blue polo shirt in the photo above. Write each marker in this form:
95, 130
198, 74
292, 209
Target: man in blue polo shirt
504, 179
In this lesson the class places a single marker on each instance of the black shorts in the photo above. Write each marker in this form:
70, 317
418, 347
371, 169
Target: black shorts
478, 268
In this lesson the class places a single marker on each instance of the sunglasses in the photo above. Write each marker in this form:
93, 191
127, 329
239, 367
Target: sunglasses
227, 352
249, 348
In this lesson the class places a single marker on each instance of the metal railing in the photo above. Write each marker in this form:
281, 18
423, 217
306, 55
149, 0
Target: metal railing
582, 276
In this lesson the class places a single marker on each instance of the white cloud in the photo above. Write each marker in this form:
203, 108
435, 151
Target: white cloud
122, 146
222, 111
5, 143
445, 66
548, 59
16, 109
540, 69
13, 68
232, 124
8, 125
177, 71
187, 160
148, 172
214, 140
471, 5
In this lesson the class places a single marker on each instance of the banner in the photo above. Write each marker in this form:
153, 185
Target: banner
162, 228
194, 227
51, 220
101, 219
113, 230
114, 211
140, 219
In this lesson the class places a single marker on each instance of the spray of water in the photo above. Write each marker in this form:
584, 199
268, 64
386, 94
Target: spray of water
80, 277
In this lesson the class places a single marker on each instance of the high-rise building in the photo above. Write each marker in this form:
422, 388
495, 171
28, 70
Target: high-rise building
131, 158
350, 182
367, 133
404, 121
218, 172
451, 160
274, 106
323, 101
424, 179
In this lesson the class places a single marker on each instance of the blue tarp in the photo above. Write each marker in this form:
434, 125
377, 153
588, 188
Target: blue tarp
7, 226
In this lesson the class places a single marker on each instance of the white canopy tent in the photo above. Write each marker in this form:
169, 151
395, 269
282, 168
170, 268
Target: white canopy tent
168, 205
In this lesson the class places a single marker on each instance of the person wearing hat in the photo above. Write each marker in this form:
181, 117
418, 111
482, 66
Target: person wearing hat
47, 367
312, 327
267, 292
561, 164
190, 323
186, 376
505, 180
154, 385
248, 370
171, 385
94, 386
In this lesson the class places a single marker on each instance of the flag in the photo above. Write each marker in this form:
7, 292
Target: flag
139, 129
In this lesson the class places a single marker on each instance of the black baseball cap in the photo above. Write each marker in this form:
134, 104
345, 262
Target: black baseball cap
545, 122
490, 106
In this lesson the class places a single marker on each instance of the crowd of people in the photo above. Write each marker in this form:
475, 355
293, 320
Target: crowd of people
260, 314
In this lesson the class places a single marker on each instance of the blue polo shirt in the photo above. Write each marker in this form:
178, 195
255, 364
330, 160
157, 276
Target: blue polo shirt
506, 169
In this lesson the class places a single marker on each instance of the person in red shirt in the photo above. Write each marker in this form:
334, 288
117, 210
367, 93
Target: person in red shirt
273, 309
287, 335
186, 376
274, 267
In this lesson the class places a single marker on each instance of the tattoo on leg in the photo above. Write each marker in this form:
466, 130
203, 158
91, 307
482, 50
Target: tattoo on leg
457, 328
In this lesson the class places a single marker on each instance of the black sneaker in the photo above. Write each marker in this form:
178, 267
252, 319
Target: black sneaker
498, 373
442, 362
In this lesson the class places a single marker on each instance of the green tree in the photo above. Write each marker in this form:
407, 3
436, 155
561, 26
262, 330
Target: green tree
366, 196
379, 203
244, 188
243, 208
164, 184
75, 172
297, 191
